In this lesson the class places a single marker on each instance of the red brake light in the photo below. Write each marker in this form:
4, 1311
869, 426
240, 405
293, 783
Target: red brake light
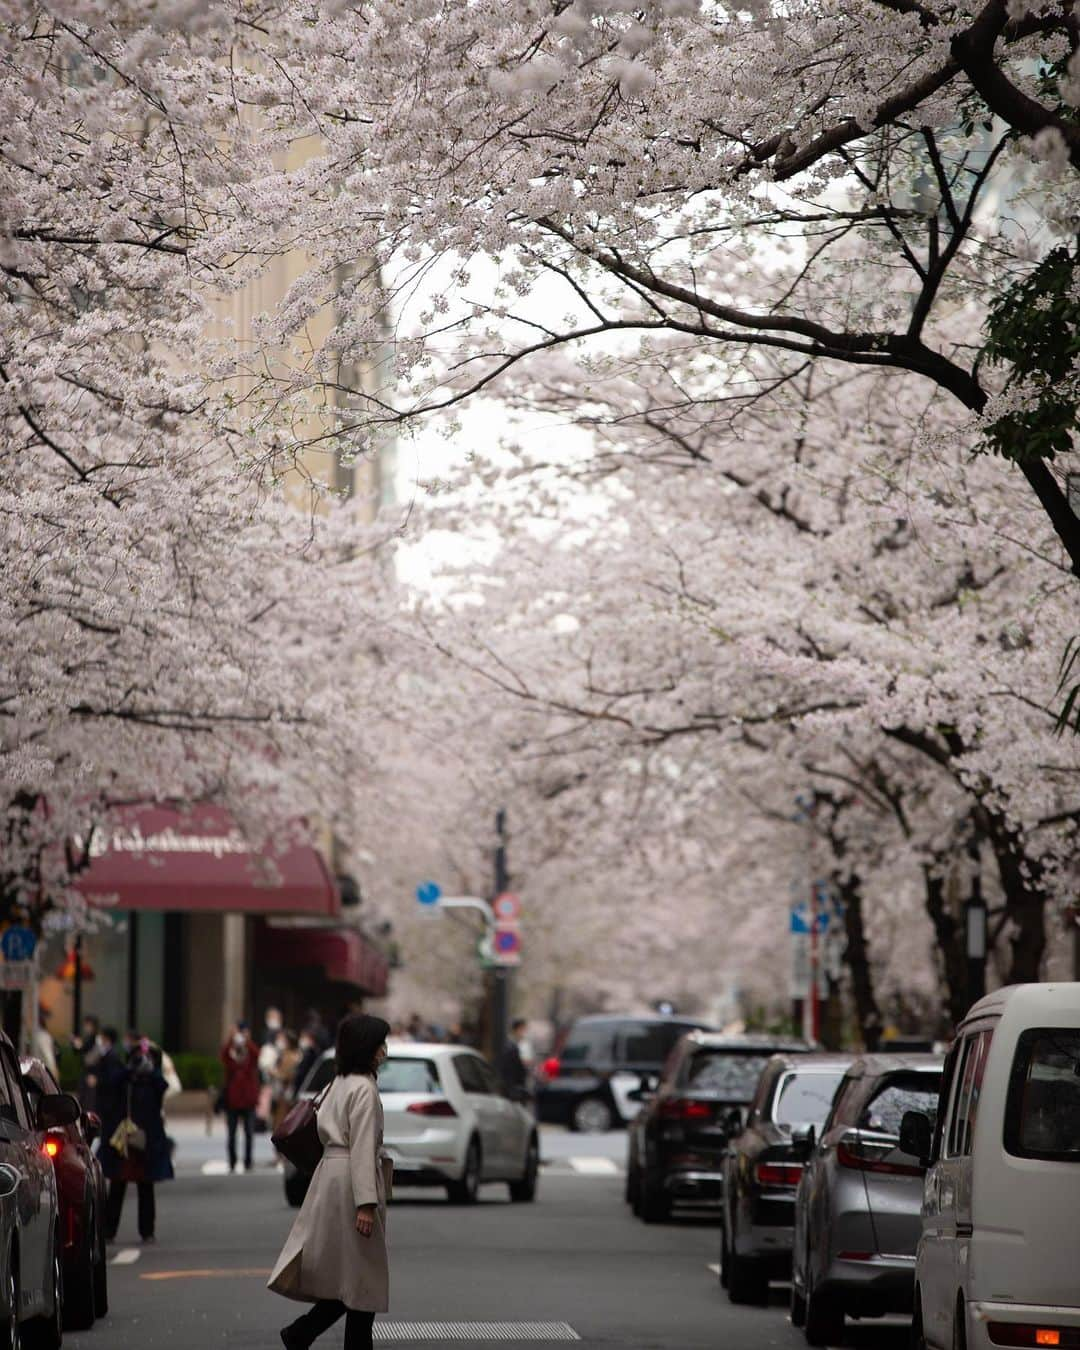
778, 1173
437, 1108
52, 1147
870, 1155
683, 1108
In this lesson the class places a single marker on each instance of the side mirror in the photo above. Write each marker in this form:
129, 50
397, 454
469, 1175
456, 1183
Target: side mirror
803, 1139
91, 1126
57, 1109
917, 1136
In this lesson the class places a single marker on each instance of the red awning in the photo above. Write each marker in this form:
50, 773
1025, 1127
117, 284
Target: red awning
158, 857
343, 954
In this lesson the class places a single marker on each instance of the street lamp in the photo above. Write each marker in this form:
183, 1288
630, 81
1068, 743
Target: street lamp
975, 924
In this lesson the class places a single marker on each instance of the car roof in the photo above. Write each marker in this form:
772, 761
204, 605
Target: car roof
719, 1040
878, 1065
427, 1050
662, 1019
815, 1063
1036, 1004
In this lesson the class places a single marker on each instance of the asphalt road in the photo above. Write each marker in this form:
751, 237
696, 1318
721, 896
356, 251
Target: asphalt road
575, 1257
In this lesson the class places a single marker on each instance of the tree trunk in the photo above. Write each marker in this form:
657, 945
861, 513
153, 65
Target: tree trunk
1025, 898
858, 961
949, 935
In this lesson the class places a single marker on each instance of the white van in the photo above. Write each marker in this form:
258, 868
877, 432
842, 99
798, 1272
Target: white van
998, 1261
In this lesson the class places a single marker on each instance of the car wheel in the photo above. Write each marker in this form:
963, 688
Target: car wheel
633, 1188
655, 1203
746, 1281
592, 1115
11, 1331
824, 1321
918, 1340
724, 1272
959, 1335
797, 1306
296, 1188
80, 1310
47, 1332
524, 1190
465, 1191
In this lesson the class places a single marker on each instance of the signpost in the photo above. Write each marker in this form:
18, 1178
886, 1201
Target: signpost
19, 974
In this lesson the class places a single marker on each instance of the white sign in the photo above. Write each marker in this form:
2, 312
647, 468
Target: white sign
800, 965
17, 974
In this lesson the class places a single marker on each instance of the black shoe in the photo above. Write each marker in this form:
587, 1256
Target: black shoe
290, 1342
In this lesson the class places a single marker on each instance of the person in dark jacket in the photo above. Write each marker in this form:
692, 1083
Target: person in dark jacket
132, 1090
240, 1055
512, 1069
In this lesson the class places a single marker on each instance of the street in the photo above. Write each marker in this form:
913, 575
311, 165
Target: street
576, 1261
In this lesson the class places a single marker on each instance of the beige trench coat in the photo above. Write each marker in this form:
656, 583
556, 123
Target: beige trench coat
324, 1257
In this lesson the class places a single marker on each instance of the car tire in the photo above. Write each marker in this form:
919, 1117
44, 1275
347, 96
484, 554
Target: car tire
47, 1332
824, 1321
918, 1338
591, 1115
797, 1307
296, 1188
746, 1280
655, 1203
724, 1271
959, 1335
80, 1306
101, 1282
11, 1329
633, 1188
521, 1192
466, 1190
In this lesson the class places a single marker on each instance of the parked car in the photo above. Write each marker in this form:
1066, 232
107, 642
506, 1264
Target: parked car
858, 1201
587, 1086
31, 1243
762, 1171
448, 1122
998, 1258
678, 1140
81, 1191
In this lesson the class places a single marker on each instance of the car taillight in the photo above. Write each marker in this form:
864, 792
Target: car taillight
778, 1173
685, 1108
871, 1155
439, 1108
1029, 1333
53, 1146
551, 1068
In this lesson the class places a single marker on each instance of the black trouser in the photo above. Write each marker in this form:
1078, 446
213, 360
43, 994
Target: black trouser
147, 1207
234, 1118
322, 1317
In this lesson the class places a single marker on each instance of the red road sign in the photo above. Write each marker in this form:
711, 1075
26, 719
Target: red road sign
507, 908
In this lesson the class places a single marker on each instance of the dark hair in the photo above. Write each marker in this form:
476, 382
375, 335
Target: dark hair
518, 1023
358, 1039
110, 1034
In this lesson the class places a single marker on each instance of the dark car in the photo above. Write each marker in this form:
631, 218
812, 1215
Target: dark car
31, 1240
678, 1141
762, 1170
858, 1206
81, 1192
587, 1086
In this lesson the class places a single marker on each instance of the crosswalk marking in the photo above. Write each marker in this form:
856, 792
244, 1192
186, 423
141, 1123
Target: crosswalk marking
127, 1256
595, 1167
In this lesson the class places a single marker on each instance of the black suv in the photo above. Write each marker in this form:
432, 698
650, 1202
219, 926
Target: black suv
763, 1167
603, 1060
677, 1143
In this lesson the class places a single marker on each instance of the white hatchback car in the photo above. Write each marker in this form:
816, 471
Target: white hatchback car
448, 1122
999, 1258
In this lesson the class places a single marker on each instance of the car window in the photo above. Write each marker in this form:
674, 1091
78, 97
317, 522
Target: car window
489, 1078
647, 1042
589, 1044
470, 1071
1042, 1113
897, 1093
730, 1073
321, 1075
844, 1107
805, 1098
13, 1096
409, 1075
766, 1083
961, 1128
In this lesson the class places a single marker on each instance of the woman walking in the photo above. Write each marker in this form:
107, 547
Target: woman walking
129, 1099
335, 1256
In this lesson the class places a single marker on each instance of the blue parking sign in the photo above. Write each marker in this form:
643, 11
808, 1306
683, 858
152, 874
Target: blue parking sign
18, 944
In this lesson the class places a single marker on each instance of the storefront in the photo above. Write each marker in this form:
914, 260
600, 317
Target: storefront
182, 904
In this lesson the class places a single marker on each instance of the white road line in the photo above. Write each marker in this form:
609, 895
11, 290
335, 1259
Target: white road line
216, 1167
127, 1256
715, 1270
595, 1167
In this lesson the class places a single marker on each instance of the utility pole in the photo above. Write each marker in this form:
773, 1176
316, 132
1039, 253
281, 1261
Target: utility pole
500, 985
975, 927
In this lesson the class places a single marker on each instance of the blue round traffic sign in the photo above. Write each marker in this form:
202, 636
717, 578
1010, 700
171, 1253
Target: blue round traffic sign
18, 944
507, 941
429, 892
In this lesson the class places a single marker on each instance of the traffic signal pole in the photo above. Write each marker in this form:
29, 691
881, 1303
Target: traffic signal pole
500, 987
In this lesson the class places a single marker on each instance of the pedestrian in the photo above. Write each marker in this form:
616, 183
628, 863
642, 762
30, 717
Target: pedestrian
269, 1053
309, 1054
513, 1071
335, 1256
240, 1055
87, 1046
42, 1045
284, 1073
134, 1147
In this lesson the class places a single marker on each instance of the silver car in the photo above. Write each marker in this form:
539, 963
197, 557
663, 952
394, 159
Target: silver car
857, 1208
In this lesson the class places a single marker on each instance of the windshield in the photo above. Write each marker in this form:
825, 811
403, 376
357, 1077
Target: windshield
1042, 1118
728, 1073
409, 1075
805, 1098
